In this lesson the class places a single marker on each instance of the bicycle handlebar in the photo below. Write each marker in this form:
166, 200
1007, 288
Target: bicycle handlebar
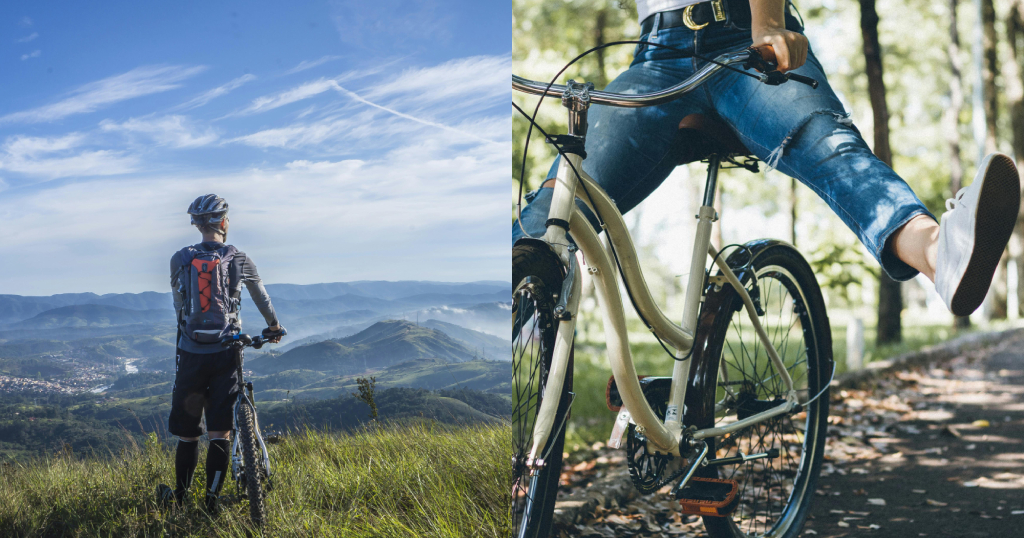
244, 340
761, 59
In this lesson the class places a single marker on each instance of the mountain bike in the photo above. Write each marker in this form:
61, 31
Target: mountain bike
739, 427
250, 462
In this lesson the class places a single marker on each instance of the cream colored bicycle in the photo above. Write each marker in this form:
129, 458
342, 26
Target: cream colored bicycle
738, 428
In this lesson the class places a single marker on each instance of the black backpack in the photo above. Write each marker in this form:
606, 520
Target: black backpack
210, 309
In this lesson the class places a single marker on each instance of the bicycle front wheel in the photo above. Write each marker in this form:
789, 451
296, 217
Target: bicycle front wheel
537, 274
252, 458
741, 380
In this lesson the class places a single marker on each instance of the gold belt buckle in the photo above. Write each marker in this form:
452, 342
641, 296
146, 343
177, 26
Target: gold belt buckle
716, 8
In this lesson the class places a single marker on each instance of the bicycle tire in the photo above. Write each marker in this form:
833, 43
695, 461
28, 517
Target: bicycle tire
782, 273
252, 457
536, 272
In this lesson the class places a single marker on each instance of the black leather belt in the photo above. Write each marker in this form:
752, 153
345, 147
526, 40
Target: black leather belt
735, 13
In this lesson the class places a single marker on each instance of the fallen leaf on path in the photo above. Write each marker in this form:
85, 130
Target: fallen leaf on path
980, 424
931, 502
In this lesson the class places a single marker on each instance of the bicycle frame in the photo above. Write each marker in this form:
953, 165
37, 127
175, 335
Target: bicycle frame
664, 437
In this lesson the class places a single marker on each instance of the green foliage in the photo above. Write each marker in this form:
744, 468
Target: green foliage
840, 267
393, 481
365, 394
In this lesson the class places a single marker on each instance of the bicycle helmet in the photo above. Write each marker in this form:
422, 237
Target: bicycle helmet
210, 208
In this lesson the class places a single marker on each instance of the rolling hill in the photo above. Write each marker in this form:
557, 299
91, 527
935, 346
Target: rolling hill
383, 344
94, 315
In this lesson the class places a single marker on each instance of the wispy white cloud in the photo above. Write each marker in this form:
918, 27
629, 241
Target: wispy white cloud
210, 95
51, 158
25, 21
309, 64
175, 131
28, 38
305, 91
94, 95
34, 54
454, 90
410, 117
466, 82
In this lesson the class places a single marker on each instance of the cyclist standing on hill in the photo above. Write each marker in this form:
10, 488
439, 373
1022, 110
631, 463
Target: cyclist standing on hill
206, 283
801, 131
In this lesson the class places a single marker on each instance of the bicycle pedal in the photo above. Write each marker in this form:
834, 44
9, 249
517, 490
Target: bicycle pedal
709, 497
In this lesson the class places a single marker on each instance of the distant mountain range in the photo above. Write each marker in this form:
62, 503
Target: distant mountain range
381, 345
304, 309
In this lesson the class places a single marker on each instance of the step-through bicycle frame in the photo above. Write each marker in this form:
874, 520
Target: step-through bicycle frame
664, 437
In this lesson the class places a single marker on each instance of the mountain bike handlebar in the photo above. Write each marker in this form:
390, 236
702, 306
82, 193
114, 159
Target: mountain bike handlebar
244, 340
761, 59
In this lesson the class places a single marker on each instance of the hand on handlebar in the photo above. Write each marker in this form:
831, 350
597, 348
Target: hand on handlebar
763, 59
274, 334
788, 49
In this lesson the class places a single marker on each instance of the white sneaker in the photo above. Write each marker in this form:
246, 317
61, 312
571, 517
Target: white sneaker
974, 232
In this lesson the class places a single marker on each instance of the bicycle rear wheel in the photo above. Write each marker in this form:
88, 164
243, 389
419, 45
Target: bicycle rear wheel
252, 457
741, 380
537, 273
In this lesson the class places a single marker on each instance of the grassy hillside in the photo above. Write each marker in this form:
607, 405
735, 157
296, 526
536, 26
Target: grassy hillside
400, 481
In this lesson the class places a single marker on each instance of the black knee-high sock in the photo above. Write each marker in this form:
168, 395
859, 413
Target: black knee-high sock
185, 459
217, 460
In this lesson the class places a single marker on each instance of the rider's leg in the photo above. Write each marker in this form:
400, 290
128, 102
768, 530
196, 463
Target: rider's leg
185, 421
630, 152
186, 457
223, 391
917, 244
218, 459
806, 133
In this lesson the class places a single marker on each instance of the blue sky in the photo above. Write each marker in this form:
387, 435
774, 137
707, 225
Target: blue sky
353, 140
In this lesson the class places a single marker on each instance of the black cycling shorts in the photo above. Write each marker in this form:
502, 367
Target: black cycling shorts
203, 382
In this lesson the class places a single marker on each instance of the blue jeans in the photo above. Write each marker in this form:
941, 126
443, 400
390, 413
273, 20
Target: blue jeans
803, 132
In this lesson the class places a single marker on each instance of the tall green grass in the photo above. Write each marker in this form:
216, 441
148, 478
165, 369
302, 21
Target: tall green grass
396, 480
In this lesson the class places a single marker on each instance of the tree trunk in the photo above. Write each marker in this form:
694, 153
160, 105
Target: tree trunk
792, 210
1015, 98
890, 299
995, 302
951, 121
600, 25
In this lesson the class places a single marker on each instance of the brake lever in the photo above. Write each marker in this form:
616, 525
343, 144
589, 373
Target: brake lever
770, 75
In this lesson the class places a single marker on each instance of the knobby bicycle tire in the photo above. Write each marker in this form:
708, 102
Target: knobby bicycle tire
536, 271
252, 457
775, 494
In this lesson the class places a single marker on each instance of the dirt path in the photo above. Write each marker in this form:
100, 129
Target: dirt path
937, 451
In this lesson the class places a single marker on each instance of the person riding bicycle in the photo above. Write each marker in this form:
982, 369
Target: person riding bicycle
801, 131
206, 284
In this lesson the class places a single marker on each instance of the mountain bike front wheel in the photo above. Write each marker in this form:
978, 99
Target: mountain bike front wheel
734, 379
252, 457
536, 273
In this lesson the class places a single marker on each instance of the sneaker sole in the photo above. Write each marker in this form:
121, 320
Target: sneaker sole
998, 205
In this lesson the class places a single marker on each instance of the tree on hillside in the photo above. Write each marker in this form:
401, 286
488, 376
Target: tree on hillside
951, 121
366, 394
890, 300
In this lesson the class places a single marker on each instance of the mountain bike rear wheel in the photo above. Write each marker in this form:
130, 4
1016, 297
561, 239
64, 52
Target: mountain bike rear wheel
252, 457
741, 380
536, 272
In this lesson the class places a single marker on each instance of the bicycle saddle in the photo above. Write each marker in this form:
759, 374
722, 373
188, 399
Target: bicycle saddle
701, 136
